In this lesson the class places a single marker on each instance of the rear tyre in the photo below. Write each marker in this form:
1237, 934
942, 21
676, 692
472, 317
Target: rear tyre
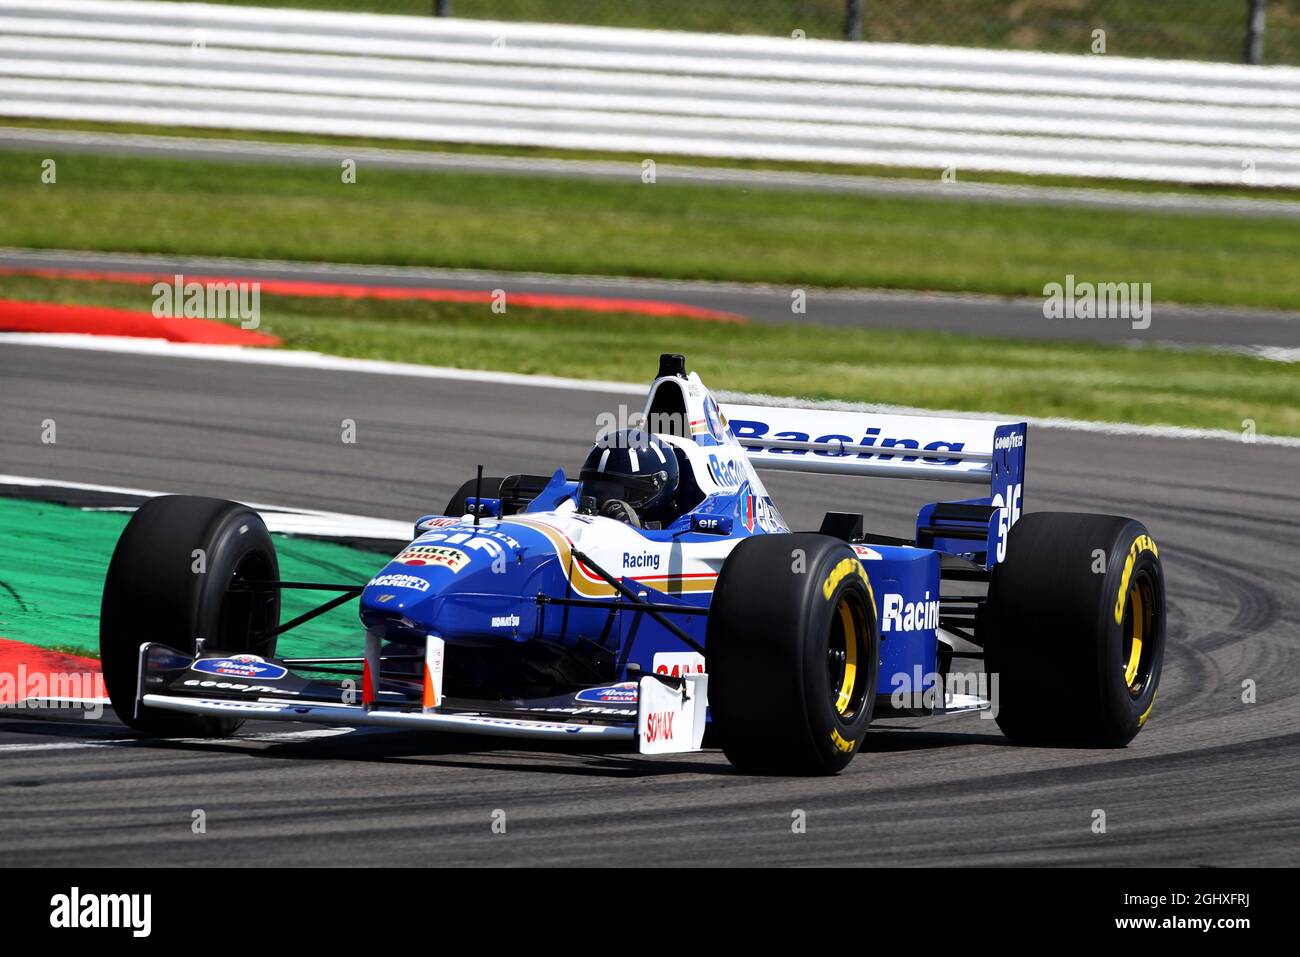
1076, 630
459, 503
793, 652
170, 581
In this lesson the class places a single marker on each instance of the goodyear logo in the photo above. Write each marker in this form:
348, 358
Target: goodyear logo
841, 742
841, 571
1143, 543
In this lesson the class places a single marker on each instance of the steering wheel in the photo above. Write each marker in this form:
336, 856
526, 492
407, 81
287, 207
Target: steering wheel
618, 509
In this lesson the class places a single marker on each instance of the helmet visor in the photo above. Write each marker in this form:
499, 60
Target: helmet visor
636, 490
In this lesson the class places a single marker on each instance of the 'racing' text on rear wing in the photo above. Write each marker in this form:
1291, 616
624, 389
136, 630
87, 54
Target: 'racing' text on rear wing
933, 448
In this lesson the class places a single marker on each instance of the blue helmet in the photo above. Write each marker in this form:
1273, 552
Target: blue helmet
632, 466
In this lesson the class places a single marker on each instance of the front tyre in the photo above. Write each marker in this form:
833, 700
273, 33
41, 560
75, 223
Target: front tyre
182, 570
793, 654
1076, 630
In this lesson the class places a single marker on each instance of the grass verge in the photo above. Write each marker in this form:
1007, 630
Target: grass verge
54, 579
929, 370
677, 231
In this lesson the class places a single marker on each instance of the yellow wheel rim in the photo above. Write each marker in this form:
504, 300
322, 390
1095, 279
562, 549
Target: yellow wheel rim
850, 625
1137, 611
1139, 626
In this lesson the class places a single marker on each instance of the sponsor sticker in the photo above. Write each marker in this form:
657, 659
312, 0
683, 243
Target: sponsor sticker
429, 523
641, 560
400, 581
1143, 543
678, 663
726, 472
841, 571
240, 666
659, 727
714, 419
624, 693
768, 519
438, 556
899, 614
237, 686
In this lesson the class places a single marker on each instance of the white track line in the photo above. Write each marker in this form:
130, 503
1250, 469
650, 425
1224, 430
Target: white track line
278, 518
284, 358
42, 703
287, 358
66, 745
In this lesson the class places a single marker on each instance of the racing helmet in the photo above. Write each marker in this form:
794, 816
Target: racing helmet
630, 465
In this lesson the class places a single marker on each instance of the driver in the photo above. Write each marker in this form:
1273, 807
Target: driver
630, 475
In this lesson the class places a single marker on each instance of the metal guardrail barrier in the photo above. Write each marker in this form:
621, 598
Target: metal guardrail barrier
648, 93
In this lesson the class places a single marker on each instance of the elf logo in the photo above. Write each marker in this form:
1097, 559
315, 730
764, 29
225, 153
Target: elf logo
899, 615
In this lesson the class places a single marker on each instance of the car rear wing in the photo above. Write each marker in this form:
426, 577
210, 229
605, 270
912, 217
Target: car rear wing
933, 448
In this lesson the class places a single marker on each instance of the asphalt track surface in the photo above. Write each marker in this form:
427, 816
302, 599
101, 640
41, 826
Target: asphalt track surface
1210, 781
253, 151
1183, 326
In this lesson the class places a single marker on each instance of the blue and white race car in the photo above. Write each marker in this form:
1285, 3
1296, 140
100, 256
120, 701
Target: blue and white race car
661, 591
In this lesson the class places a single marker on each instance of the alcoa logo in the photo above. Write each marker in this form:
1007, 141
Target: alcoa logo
899, 615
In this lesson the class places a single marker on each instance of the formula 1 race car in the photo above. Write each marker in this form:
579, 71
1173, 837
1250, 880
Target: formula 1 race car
661, 591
